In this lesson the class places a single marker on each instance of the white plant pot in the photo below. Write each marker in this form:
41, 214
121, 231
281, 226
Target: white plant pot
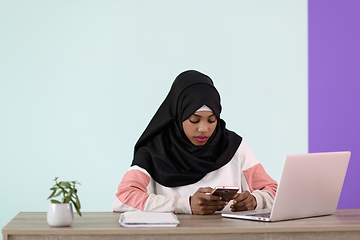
60, 214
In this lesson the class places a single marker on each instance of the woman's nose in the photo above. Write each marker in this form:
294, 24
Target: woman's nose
203, 127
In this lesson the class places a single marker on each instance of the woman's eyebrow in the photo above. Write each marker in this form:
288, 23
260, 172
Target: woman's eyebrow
201, 116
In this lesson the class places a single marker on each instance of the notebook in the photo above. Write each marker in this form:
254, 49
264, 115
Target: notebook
148, 219
309, 186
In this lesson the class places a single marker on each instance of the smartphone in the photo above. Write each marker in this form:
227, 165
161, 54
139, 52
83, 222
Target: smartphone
226, 193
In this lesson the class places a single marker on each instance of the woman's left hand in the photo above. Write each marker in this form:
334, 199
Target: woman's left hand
244, 201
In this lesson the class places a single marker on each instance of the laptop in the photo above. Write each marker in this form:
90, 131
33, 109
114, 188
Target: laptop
310, 185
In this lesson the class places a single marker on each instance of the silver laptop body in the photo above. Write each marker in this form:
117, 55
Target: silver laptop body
310, 185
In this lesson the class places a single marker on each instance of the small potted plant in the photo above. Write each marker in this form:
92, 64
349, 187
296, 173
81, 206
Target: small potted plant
60, 213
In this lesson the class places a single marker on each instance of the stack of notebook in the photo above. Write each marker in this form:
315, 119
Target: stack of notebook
148, 219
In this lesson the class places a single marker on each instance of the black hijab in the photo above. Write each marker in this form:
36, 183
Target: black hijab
164, 150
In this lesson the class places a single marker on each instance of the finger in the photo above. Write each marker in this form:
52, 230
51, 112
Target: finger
245, 201
206, 207
241, 205
235, 196
241, 201
242, 196
205, 190
206, 194
205, 197
213, 198
247, 204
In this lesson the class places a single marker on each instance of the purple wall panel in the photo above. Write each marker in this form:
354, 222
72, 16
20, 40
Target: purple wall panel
334, 86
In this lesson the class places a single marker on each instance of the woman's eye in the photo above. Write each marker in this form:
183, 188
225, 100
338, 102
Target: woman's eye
212, 119
194, 121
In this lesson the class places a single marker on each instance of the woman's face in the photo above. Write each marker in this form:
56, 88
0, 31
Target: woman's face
199, 127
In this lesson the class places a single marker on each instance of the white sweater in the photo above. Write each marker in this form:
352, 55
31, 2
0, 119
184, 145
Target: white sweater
138, 191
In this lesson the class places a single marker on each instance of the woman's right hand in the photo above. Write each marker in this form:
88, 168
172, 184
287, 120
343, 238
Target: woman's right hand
202, 202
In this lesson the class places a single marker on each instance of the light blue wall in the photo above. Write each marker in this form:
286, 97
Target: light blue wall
79, 81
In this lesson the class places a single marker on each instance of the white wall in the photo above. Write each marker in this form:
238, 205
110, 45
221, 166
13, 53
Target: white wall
79, 81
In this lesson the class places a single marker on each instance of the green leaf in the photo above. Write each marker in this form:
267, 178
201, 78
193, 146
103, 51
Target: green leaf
77, 207
60, 187
58, 194
52, 194
71, 192
78, 211
78, 200
76, 204
55, 201
66, 199
65, 184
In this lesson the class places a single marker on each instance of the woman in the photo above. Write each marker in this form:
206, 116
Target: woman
186, 151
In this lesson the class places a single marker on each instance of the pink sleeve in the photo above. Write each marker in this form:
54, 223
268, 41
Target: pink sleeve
258, 179
132, 190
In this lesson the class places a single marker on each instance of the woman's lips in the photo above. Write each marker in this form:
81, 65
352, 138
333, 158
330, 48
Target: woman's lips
201, 138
